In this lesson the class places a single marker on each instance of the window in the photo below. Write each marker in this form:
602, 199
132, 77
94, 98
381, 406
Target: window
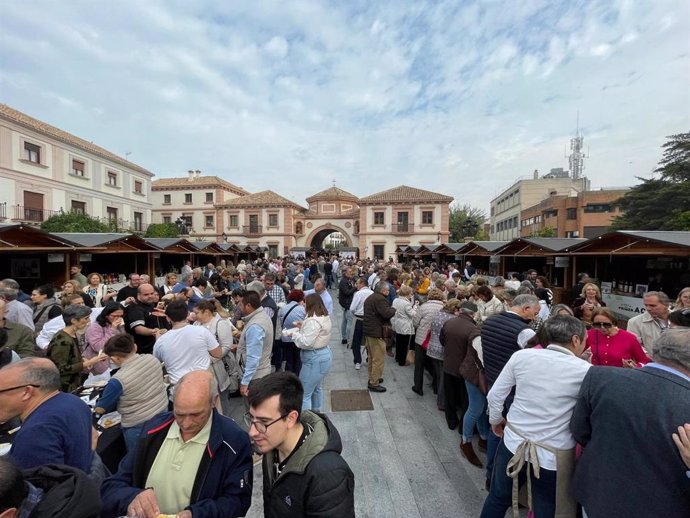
187, 221
273, 221
571, 213
138, 221
112, 178
298, 228
273, 250
188, 197
234, 220
209, 222
379, 250
602, 207
166, 199
137, 187
112, 213
378, 218
78, 168
167, 219
209, 197
427, 217
32, 152
79, 207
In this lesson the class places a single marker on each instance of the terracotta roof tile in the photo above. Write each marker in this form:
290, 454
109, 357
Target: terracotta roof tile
332, 193
198, 182
260, 199
51, 131
406, 194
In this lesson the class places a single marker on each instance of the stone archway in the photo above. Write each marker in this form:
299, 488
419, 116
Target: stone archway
316, 236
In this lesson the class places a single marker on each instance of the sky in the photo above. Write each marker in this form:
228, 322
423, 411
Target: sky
457, 97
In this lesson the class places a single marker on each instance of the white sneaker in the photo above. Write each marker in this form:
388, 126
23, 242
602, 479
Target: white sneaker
358, 366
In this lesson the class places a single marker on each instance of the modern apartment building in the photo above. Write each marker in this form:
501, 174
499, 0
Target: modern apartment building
45, 171
587, 214
507, 207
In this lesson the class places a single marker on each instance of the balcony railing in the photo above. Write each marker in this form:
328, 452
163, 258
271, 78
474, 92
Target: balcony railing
3, 210
403, 228
32, 214
251, 230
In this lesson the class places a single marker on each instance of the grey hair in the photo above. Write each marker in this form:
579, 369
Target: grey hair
663, 298
10, 283
9, 294
525, 290
525, 299
187, 277
258, 287
269, 276
557, 308
559, 329
380, 286
39, 372
672, 348
75, 312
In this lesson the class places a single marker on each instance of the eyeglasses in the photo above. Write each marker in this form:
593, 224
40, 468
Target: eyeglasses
260, 426
19, 386
599, 325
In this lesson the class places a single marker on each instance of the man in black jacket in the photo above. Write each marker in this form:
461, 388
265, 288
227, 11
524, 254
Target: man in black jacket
303, 471
346, 290
377, 313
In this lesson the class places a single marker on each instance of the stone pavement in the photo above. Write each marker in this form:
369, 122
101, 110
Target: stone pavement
407, 464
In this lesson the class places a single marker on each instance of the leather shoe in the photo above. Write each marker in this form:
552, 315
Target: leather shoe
417, 391
376, 388
468, 452
482, 445
380, 380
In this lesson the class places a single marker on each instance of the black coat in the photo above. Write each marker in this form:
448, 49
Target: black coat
67, 492
316, 481
630, 467
377, 312
346, 290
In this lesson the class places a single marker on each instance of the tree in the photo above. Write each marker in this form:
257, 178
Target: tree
162, 230
73, 222
544, 232
661, 203
465, 221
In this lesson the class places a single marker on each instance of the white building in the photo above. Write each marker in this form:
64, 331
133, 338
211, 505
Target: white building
45, 170
524, 193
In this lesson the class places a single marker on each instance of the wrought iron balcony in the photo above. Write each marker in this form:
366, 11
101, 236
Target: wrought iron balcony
251, 230
32, 214
403, 228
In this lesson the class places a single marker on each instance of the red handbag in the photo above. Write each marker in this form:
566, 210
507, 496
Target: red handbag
427, 338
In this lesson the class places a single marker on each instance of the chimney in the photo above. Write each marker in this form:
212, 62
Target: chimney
197, 174
536, 174
191, 175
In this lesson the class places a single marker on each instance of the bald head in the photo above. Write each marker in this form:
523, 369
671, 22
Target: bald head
145, 293
197, 386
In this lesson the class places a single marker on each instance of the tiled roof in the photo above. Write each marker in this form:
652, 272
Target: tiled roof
198, 182
332, 193
51, 131
260, 199
403, 193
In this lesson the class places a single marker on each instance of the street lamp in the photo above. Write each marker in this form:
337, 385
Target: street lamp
469, 228
182, 226
438, 237
225, 237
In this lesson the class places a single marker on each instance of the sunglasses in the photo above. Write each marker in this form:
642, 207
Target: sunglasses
605, 325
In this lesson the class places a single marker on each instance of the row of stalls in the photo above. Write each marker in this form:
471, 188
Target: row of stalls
625, 264
34, 257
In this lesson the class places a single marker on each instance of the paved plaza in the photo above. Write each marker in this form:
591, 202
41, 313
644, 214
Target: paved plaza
407, 463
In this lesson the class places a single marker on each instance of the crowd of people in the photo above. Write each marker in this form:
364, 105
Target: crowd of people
550, 392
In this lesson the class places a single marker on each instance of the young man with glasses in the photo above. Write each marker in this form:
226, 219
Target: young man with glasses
56, 426
303, 471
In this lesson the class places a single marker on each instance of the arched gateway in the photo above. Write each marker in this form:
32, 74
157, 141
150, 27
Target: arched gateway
316, 236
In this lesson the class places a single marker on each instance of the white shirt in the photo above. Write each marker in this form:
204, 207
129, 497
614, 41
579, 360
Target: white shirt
326, 297
19, 313
335, 265
184, 350
513, 285
547, 382
56, 324
357, 305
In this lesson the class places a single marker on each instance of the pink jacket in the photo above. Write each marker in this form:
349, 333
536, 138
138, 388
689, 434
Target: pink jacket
96, 337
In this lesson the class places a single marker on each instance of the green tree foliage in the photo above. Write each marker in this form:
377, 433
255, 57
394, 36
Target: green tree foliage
73, 222
661, 203
162, 230
544, 232
459, 216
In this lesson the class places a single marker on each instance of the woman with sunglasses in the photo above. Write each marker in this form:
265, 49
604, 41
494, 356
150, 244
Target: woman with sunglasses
611, 346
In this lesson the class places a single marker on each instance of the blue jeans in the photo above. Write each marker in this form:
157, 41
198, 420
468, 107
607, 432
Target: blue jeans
131, 436
346, 323
501, 495
491, 448
315, 365
476, 414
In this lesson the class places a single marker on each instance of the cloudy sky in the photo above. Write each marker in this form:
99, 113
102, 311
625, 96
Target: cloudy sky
460, 97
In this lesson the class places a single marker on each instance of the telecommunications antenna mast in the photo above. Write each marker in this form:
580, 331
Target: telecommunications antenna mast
576, 159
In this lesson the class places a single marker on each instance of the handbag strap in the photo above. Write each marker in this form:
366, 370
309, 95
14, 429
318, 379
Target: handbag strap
282, 322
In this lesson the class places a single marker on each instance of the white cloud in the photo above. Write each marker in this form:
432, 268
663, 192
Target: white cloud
460, 99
